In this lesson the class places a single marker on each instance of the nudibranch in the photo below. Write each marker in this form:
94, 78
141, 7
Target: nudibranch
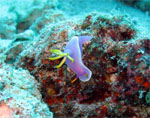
73, 57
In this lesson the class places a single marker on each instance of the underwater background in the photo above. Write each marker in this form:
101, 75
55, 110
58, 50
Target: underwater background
74, 58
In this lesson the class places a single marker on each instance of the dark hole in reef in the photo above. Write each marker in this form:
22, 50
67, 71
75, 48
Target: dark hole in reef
98, 94
2, 36
129, 113
22, 26
125, 35
21, 39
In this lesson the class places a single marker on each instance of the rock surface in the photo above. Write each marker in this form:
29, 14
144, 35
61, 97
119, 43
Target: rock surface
20, 95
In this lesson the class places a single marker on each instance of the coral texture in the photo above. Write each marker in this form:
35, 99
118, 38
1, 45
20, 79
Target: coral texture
20, 95
118, 55
117, 63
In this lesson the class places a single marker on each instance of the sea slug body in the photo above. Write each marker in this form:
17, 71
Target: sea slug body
72, 55
74, 48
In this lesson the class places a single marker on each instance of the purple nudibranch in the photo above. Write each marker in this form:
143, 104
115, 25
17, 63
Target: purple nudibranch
74, 48
73, 57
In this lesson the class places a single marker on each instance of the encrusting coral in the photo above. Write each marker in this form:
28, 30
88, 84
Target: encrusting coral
113, 70
114, 60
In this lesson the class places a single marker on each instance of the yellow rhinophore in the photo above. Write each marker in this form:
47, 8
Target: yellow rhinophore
60, 55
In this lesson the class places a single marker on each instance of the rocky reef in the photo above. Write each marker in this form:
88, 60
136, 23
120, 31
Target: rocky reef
117, 55
20, 95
